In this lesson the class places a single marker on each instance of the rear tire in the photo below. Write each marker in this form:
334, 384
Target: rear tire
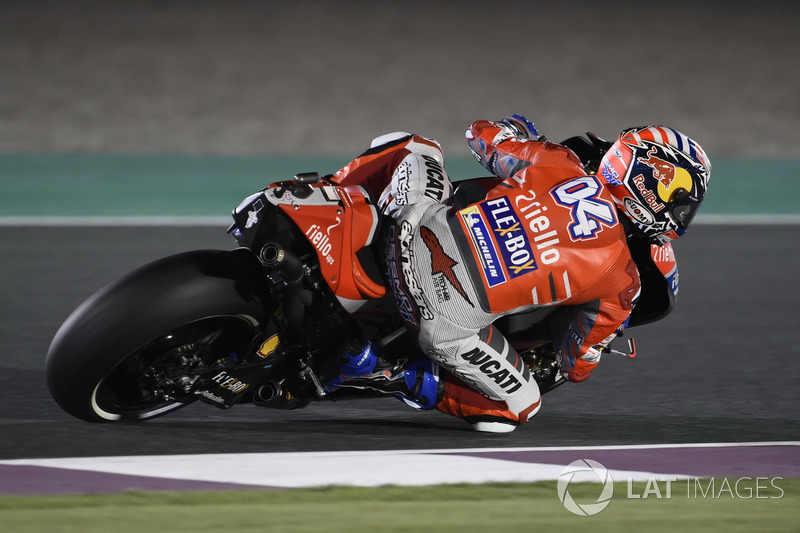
172, 315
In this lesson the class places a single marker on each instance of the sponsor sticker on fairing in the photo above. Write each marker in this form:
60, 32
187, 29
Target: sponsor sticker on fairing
269, 346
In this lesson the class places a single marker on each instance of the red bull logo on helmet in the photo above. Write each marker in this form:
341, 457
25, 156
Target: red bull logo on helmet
670, 176
663, 171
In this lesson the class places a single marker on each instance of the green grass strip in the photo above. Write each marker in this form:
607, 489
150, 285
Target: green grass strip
504, 508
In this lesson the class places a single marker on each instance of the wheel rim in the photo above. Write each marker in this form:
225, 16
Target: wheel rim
161, 375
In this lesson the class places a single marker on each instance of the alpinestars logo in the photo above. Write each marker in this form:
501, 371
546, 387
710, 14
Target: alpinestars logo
404, 304
441, 263
406, 263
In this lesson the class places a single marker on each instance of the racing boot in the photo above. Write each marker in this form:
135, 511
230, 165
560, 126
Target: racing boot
359, 360
416, 383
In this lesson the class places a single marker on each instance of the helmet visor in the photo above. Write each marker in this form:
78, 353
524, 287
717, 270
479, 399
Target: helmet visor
683, 208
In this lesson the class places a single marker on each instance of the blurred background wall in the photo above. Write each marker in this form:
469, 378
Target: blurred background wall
324, 77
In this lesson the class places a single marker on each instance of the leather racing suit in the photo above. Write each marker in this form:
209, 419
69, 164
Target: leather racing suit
546, 235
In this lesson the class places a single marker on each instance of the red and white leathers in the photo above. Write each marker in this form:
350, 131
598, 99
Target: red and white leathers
548, 235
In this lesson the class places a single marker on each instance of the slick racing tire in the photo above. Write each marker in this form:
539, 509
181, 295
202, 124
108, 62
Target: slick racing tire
134, 350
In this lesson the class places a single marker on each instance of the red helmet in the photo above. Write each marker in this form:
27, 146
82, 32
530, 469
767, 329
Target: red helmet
658, 177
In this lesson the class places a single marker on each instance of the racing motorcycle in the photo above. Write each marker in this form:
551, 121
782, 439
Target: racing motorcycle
263, 323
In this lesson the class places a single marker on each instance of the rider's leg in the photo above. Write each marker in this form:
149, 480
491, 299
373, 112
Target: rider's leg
417, 383
481, 357
423, 384
360, 358
435, 294
495, 391
491, 416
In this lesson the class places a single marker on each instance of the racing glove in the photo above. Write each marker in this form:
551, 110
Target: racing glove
484, 136
581, 368
519, 127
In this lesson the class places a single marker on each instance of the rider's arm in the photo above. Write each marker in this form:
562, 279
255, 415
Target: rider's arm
507, 146
596, 323
579, 350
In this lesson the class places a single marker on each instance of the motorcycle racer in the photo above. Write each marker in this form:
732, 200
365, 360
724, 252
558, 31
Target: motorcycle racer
568, 231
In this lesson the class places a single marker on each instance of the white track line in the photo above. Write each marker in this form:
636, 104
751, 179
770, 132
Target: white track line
295, 470
357, 468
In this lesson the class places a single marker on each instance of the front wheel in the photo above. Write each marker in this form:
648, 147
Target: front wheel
137, 348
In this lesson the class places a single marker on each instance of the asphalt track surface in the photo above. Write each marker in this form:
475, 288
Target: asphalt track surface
722, 368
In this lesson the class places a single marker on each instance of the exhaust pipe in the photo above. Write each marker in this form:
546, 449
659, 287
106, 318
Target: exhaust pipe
273, 394
269, 393
275, 257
